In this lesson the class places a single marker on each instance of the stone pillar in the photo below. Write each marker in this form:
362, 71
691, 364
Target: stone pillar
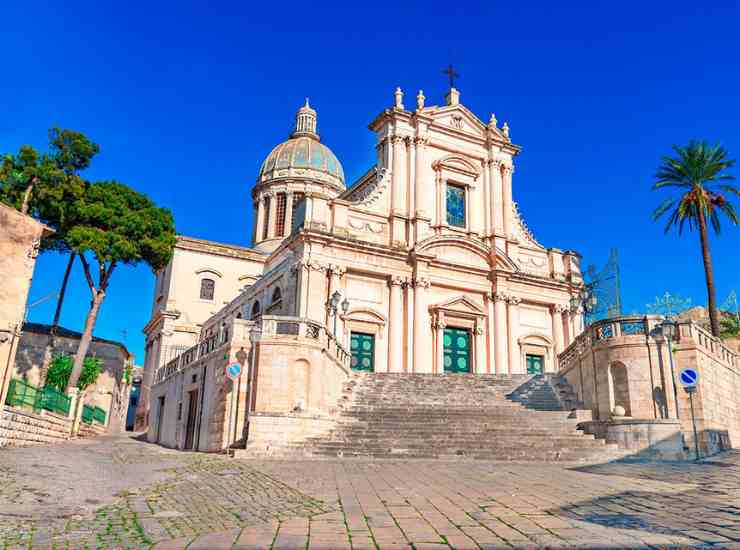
490, 333
75, 409
507, 200
496, 204
271, 216
422, 340
439, 349
514, 352
396, 329
409, 326
480, 358
260, 223
501, 341
288, 213
486, 200
558, 335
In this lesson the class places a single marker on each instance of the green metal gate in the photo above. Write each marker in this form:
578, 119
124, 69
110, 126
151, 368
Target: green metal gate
456, 350
363, 351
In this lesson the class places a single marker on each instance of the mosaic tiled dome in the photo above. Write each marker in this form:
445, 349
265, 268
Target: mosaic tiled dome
303, 155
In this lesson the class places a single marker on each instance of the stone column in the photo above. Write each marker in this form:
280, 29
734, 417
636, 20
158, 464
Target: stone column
422, 343
496, 205
271, 216
557, 331
260, 223
439, 346
396, 329
288, 212
490, 333
480, 358
408, 286
501, 341
486, 200
507, 200
514, 353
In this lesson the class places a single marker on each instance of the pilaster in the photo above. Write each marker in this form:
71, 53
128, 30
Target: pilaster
514, 352
422, 343
396, 329
501, 341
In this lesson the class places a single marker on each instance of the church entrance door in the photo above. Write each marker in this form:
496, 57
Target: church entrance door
456, 350
535, 364
362, 347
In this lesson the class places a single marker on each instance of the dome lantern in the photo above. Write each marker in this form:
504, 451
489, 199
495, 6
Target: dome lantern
305, 122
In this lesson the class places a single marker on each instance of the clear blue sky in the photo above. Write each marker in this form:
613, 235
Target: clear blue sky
186, 100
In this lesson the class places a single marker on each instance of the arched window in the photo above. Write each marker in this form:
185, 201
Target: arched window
280, 214
277, 296
207, 288
455, 205
266, 225
256, 310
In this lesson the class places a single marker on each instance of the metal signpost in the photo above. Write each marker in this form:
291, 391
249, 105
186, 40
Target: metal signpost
689, 378
233, 372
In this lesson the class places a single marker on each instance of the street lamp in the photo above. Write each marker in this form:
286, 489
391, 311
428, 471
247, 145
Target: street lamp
334, 306
668, 330
584, 300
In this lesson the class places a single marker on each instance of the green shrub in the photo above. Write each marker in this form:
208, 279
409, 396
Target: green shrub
61, 368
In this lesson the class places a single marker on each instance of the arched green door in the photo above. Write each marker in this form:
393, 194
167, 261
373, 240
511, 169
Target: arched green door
362, 347
456, 350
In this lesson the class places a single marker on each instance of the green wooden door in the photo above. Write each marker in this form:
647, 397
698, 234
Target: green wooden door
363, 351
535, 364
456, 350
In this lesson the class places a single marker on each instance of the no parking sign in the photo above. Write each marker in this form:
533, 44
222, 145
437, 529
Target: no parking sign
689, 377
233, 371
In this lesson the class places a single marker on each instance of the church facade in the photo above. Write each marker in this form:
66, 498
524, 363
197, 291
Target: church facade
423, 265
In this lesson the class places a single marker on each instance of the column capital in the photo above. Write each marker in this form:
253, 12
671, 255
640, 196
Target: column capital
560, 308
499, 297
514, 300
336, 269
508, 169
495, 163
422, 282
421, 140
397, 280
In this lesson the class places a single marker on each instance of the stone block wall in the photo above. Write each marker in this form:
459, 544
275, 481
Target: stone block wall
615, 362
20, 428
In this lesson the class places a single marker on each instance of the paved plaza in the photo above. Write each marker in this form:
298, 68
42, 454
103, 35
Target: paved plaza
118, 492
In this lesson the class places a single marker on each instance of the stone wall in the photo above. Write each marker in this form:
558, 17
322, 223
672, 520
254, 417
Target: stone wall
110, 392
20, 428
624, 362
20, 237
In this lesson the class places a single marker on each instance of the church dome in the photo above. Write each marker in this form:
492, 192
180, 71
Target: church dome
303, 155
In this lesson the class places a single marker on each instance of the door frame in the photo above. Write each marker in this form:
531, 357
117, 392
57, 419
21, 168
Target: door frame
191, 420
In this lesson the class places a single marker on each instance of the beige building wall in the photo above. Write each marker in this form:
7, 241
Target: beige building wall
20, 238
110, 392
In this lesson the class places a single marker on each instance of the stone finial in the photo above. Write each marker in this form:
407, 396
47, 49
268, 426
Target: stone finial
399, 98
505, 129
453, 97
492, 122
420, 100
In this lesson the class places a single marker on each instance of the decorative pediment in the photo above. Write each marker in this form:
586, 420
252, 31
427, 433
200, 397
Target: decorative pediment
504, 262
365, 315
456, 249
458, 117
461, 304
456, 163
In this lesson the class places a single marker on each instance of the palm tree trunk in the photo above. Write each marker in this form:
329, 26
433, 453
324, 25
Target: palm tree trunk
709, 274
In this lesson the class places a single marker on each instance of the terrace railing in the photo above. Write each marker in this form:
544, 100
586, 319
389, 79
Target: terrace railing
25, 395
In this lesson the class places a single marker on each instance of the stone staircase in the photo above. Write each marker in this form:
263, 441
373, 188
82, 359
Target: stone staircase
493, 417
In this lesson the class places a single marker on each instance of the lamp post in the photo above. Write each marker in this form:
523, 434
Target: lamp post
334, 306
668, 330
585, 300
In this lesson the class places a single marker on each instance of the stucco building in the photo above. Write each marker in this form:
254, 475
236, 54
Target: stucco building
432, 268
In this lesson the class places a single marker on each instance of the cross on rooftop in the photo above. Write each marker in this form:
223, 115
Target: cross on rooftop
452, 74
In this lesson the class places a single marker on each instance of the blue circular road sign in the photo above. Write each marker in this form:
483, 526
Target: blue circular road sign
234, 370
689, 377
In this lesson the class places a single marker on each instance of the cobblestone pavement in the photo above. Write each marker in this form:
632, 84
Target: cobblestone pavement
122, 493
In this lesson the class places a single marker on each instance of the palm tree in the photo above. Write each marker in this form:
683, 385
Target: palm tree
699, 171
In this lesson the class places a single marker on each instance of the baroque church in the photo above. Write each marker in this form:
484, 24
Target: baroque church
421, 265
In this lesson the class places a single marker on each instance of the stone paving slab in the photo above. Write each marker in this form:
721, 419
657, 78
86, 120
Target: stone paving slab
123, 493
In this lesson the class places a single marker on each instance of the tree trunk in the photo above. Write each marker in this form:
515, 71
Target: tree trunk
709, 274
63, 291
27, 196
92, 316
55, 323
